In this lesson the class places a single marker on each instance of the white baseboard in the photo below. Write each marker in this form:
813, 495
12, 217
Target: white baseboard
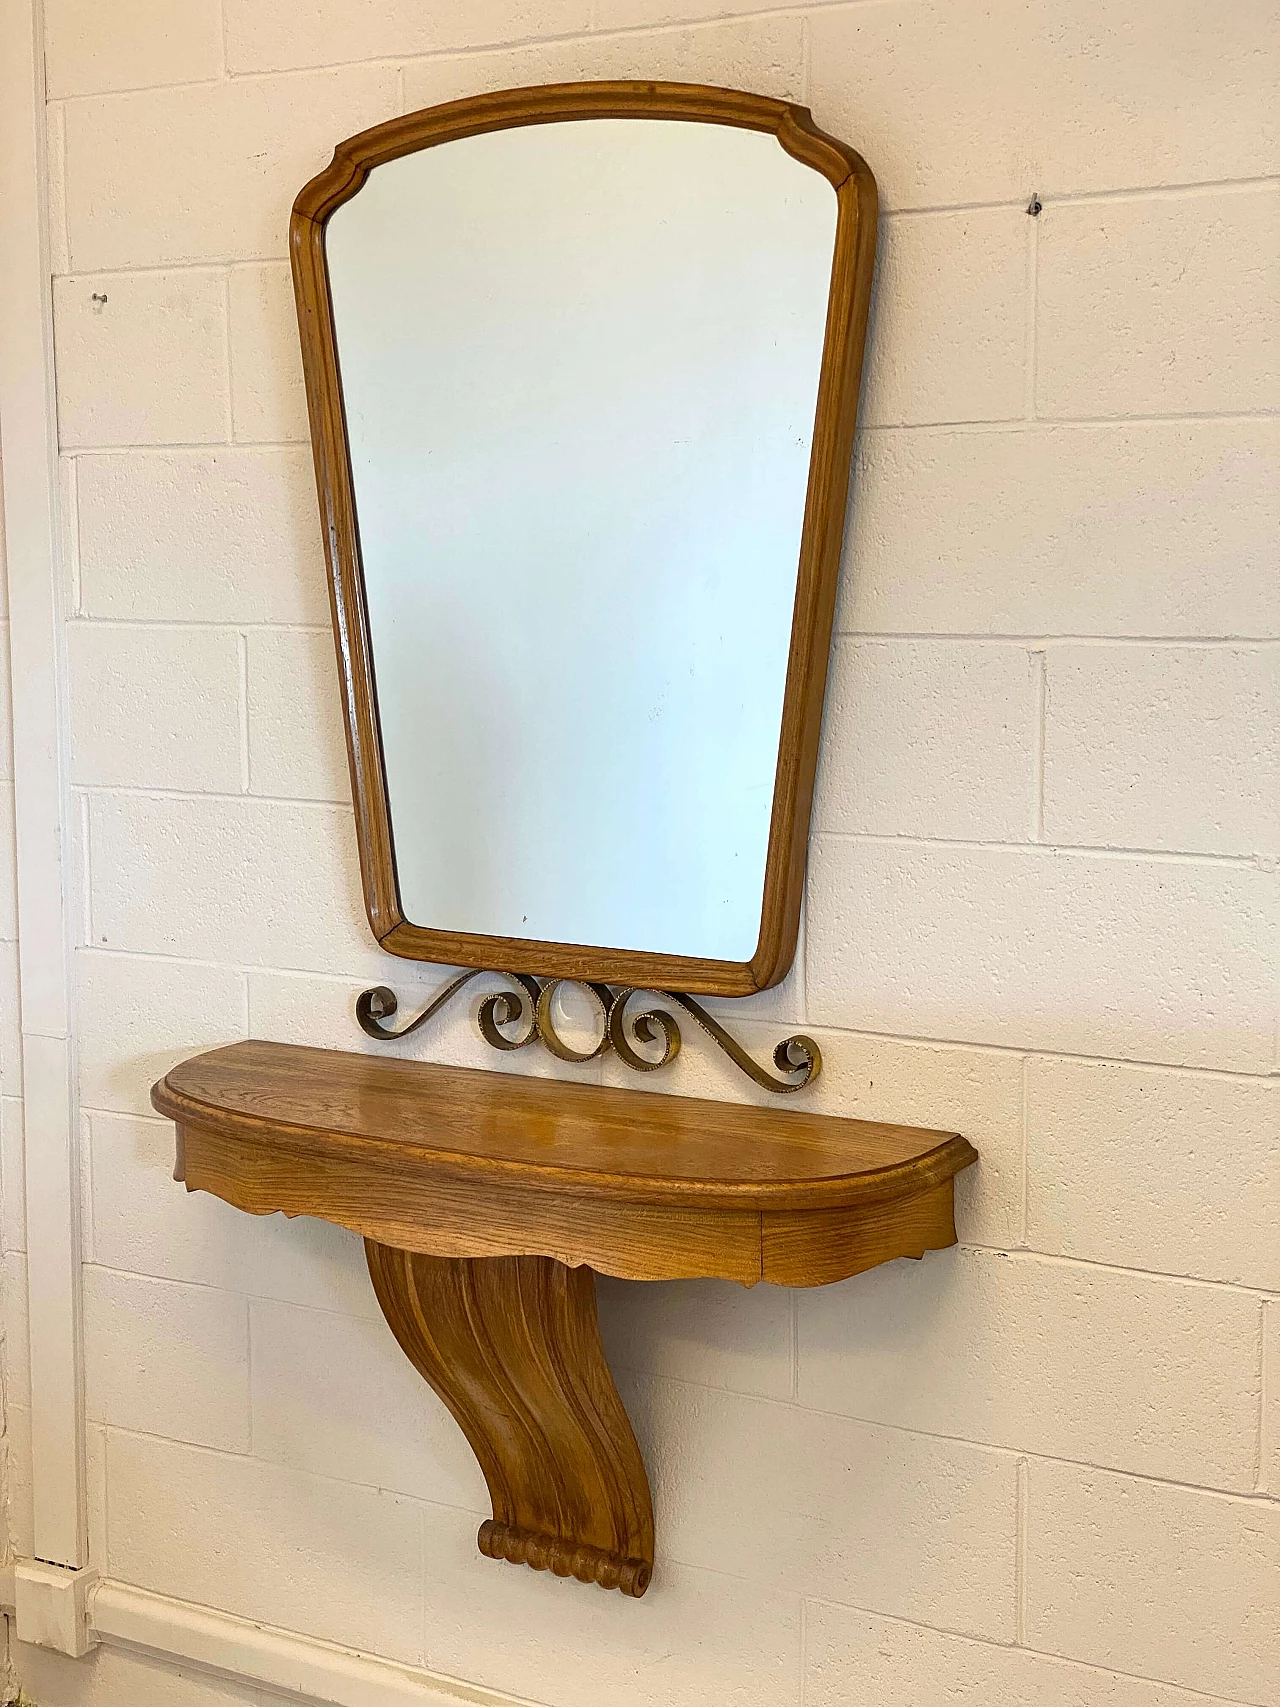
127, 1617
51, 1606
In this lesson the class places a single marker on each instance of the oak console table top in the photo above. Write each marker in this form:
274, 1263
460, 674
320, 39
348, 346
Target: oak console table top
486, 1200
457, 1162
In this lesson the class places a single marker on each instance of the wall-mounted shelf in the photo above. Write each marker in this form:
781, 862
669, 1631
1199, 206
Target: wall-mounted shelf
486, 1200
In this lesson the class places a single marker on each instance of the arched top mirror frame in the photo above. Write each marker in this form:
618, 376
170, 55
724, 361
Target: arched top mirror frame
821, 537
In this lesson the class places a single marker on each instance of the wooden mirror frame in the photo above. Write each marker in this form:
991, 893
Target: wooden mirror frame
821, 538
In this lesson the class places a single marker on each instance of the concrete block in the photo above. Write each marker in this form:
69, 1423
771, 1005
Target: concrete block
698, 1636
1159, 960
1164, 1582
296, 33
714, 1332
1043, 1357
155, 707
95, 1453
929, 738
138, 1017
17, 1351
131, 45
18, 1481
762, 54
143, 1222
116, 1677
268, 396
202, 536
1113, 528
208, 172
148, 365
324, 1558
855, 1656
10, 1021
972, 1091
1151, 1169
940, 102
13, 1206
373, 1420
297, 738
167, 1359
1160, 305
948, 334
1163, 747
56, 186
872, 1517
251, 881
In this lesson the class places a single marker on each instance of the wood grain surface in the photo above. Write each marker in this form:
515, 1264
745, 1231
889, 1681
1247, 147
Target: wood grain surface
512, 1346
456, 1162
486, 1201
821, 539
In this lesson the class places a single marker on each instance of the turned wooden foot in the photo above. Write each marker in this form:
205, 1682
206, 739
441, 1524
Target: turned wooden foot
512, 1346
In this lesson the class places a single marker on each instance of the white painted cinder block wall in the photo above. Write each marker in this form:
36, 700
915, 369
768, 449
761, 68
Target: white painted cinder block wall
1044, 1467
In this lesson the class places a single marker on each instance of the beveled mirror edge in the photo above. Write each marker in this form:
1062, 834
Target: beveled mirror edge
821, 539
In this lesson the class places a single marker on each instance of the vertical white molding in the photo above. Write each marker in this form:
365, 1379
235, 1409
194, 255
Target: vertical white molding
28, 445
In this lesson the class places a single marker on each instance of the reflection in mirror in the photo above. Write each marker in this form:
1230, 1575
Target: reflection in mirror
579, 365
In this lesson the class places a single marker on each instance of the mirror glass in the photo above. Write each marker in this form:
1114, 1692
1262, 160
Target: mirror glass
580, 362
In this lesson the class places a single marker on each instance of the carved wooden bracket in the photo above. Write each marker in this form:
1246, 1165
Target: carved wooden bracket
512, 1346
486, 1201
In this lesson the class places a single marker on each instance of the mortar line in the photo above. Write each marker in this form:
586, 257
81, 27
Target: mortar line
1262, 1078
1193, 1694
860, 636
71, 530
58, 111
1053, 423
804, 1651
1033, 290
230, 358
1264, 1442
1040, 663
996, 637
1025, 1149
86, 876
1160, 856
182, 447
88, 1218
794, 1324
1239, 1496
242, 677
179, 625
1021, 1500
1099, 851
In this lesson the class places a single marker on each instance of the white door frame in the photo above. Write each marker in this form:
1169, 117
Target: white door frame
43, 816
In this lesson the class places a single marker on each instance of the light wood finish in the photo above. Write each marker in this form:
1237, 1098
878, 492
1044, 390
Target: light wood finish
512, 1346
487, 1200
454, 1162
821, 540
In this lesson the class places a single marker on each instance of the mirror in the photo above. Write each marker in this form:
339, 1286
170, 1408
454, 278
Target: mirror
582, 366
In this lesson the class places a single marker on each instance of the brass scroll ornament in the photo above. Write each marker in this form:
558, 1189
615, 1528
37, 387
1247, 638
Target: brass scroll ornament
512, 1019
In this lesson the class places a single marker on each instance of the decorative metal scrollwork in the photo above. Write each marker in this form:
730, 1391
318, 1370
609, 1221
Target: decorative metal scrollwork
529, 1008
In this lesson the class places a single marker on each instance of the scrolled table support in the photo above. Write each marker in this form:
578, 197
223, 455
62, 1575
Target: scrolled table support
512, 1346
